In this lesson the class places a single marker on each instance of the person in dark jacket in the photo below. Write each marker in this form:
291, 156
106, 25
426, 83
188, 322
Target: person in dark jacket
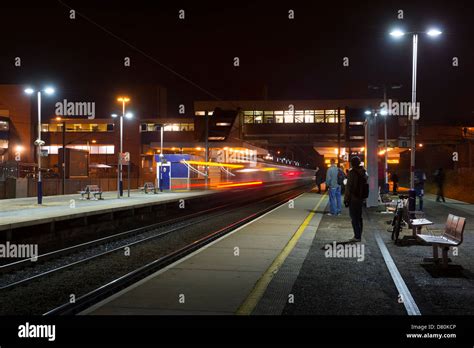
439, 180
420, 178
353, 197
394, 178
318, 177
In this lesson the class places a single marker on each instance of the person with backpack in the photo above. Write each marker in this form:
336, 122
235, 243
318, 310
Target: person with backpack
357, 190
333, 178
342, 179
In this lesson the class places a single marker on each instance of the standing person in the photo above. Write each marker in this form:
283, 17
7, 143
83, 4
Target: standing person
341, 179
420, 178
356, 192
394, 178
318, 179
334, 189
439, 179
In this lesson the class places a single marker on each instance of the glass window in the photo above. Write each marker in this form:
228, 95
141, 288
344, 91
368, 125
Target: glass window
210, 113
268, 119
299, 116
248, 113
279, 118
248, 119
4, 125
309, 112
258, 119
309, 118
268, 112
200, 113
44, 127
289, 118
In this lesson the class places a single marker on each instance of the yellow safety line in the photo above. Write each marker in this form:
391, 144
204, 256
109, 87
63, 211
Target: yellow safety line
247, 307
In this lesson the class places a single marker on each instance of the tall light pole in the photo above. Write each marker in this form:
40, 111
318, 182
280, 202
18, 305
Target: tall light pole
385, 113
398, 33
122, 100
38, 142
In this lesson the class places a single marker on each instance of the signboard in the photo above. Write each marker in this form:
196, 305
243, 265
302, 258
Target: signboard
125, 158
44, 153
404, 143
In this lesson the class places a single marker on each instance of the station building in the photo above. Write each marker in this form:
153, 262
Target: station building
302, 133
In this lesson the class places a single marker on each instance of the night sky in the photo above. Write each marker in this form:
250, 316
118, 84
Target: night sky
296, 59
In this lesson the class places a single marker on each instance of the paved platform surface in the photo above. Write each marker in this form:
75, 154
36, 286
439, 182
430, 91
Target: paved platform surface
217, 279
334, 286
283, 268
26, 212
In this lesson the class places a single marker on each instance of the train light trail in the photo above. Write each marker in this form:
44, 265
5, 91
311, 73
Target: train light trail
240, 184
214, 164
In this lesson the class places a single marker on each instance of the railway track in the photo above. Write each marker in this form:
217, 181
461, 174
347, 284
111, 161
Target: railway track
99, 250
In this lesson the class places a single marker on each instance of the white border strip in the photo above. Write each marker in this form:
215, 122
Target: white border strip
408, 301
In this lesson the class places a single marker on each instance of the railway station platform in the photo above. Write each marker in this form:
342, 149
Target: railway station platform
287, 262
23, 212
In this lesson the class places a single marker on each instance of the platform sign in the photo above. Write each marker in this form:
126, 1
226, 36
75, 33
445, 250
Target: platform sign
125, 158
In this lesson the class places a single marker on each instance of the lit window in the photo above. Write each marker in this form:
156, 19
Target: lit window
200, 113
278, 118
216, 138
174, 127
210, 113
258, 119
309, 118
222, 124
248, 119
248, 113
268, 118
289, 117
4, 125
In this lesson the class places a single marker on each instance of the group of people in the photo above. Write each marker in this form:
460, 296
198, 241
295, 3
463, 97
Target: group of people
350, 184
419, 185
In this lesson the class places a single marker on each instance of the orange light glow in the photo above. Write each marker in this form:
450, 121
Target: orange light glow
123, 99
240, 184
58, 118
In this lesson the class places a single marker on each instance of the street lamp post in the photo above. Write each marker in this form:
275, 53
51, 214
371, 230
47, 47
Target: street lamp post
38, 142
397, 33
123, 100
385, 113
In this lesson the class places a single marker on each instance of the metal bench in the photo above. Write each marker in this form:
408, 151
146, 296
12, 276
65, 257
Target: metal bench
452, 236
93, 190
148, 187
